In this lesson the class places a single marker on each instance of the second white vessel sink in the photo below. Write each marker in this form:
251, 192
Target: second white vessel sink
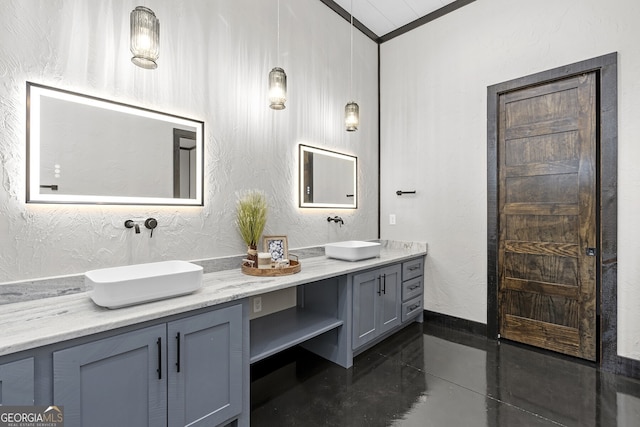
134, 284
352, 250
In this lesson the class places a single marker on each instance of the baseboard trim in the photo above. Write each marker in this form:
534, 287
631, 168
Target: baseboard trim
456, 323
628, 367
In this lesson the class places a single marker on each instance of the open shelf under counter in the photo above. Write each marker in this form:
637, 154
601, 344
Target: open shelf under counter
278, 331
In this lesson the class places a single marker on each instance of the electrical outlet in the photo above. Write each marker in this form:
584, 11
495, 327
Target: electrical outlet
392, 219
257, 304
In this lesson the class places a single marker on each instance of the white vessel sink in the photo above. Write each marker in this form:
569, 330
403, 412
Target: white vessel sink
352, 250
134, 284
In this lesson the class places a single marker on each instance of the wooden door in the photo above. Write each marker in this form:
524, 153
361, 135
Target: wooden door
547, 215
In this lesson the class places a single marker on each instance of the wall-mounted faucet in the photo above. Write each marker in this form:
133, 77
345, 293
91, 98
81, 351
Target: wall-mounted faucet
132, 224
336, 219
150, 223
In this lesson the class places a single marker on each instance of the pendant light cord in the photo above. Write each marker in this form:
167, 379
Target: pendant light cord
278, 41
350, 54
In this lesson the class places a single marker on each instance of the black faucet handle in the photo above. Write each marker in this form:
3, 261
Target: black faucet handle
151, 223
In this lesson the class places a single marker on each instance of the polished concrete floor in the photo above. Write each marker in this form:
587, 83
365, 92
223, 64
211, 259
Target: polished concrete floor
433, 376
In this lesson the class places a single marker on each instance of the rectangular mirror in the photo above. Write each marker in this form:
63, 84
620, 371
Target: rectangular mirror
327, 179
82, 149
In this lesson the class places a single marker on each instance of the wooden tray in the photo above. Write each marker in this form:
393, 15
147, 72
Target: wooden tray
294, 267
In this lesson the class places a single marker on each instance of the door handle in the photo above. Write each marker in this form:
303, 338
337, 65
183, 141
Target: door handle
379, 285
384, 284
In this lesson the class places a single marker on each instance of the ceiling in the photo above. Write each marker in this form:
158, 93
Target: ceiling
385, 16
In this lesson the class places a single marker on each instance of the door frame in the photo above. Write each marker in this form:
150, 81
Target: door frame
606, 197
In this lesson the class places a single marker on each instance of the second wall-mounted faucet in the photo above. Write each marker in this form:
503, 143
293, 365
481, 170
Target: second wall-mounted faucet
336, 219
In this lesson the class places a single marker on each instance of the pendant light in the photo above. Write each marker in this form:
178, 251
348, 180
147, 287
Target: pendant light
145, 38
351, 110
277, 79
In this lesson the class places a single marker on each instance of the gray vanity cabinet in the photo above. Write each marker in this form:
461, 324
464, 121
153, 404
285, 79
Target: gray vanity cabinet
205, 368
17, 382
185, 372
376, 303
114, 381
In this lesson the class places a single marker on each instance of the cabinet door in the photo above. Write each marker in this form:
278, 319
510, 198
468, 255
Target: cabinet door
16, 383
117, 381
390, 301
205, 368
366, 291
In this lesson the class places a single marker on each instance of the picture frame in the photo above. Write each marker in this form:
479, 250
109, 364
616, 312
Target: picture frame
277, 246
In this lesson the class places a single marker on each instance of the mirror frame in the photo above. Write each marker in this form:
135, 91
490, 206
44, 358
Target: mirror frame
307, 148
33, 194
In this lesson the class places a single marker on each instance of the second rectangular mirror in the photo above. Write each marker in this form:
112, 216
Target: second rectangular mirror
327, 179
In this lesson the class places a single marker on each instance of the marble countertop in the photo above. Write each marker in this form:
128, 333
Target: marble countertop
31, 324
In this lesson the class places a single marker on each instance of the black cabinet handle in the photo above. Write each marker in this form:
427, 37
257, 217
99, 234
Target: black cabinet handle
159, 342
413, 307
379, 285
414, 267
384, 284
178, 355
413, 287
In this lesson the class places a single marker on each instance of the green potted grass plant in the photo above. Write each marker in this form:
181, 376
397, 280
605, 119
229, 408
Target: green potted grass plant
251, 217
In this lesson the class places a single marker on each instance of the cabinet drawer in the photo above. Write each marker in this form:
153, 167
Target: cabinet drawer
412, 288
411, 308
411, 269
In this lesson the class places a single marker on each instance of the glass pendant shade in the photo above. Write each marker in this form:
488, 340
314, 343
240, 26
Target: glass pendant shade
277, 89
352, 116
145, 38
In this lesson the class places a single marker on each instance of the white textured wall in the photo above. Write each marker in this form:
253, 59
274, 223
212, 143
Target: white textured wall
214, 61
434, 126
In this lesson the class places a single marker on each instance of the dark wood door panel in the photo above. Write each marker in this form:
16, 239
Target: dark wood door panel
542, 228
541, 268
558, 188
541, 129
542, 248
536, 169
558, 91
546, 209
555, 310
546, 335
547, 148
546, 165
544, 288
